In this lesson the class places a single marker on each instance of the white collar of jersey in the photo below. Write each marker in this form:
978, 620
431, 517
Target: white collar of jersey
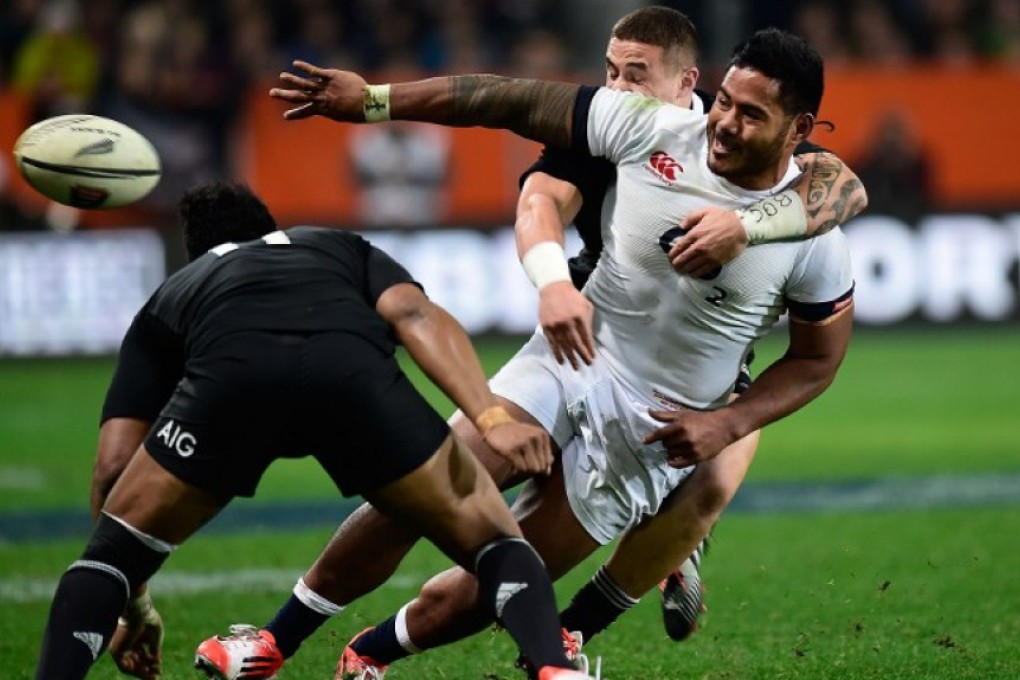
697, 106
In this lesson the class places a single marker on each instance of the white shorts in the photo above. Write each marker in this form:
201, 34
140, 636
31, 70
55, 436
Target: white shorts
613, 480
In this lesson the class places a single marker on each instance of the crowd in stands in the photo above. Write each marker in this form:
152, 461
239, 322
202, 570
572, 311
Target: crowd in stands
892, 32
194, 55
176, 69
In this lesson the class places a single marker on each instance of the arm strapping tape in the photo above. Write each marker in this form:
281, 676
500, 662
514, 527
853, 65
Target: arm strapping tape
546, 263
376, 105
775, 218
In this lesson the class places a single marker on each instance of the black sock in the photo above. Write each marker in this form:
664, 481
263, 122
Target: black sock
293, 624
596, 605
83, 616
514, 584
380, 643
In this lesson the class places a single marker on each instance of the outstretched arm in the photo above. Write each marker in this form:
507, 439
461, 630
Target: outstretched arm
535, 109
827, 194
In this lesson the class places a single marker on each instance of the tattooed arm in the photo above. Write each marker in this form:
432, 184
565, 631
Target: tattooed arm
831, 192
827, 194
539, 110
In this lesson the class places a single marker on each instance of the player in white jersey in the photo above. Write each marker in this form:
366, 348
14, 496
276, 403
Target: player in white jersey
654, 50
670, 163
663, 341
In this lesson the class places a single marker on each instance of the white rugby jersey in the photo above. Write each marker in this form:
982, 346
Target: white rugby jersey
676, 339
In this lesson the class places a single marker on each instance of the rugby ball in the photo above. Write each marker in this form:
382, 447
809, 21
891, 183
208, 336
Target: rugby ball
87, 161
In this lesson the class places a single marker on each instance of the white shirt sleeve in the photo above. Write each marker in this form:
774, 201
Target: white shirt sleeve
824, 273
621, 125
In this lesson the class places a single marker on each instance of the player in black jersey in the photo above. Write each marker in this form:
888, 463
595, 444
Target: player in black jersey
284, 347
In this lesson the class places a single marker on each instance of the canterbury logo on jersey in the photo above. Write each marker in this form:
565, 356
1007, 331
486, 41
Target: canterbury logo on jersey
663, 166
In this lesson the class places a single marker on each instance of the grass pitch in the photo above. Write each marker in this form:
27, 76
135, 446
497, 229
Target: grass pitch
849, 596
889, 594
904, 403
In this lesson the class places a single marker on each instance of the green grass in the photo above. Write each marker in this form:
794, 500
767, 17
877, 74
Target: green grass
905, 403
849, 596
892, 594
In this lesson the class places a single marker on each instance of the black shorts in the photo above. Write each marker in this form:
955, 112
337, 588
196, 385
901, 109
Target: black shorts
254, 397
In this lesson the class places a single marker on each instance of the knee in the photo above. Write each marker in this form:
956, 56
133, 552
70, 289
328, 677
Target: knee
449, 593
123, 553
449, 596
713, 492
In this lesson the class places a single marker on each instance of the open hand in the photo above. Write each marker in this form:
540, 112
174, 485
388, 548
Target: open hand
566, 319
335, 94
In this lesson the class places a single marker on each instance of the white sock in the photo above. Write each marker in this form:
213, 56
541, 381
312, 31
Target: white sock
314, 601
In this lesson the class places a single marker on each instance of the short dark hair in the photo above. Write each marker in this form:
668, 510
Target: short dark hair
219, 212
789, 60
663, 27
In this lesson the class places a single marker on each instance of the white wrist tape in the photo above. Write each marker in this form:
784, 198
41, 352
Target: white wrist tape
138, 610
376, 105
775, 218
546, 263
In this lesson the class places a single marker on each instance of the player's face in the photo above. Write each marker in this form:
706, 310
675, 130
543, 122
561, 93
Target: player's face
638, 67
749, 133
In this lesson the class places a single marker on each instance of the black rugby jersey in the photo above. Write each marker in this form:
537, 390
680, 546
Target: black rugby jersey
300, 280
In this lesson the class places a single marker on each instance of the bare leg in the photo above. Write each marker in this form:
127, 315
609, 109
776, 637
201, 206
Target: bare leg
363, 554
451, 500
454, 502
447, 610
650, 551
155, 502
369, 546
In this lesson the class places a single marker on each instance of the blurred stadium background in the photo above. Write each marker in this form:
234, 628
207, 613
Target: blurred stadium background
876, 536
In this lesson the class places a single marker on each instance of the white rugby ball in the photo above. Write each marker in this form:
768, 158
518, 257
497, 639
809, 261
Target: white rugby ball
87, 161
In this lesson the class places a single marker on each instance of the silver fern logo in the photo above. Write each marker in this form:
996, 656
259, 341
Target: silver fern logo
96, 148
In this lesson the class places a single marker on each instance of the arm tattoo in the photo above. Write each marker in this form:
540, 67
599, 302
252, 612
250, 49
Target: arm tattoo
831, 192
535, 109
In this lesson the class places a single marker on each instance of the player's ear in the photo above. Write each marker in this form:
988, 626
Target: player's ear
689, 78
803, 124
